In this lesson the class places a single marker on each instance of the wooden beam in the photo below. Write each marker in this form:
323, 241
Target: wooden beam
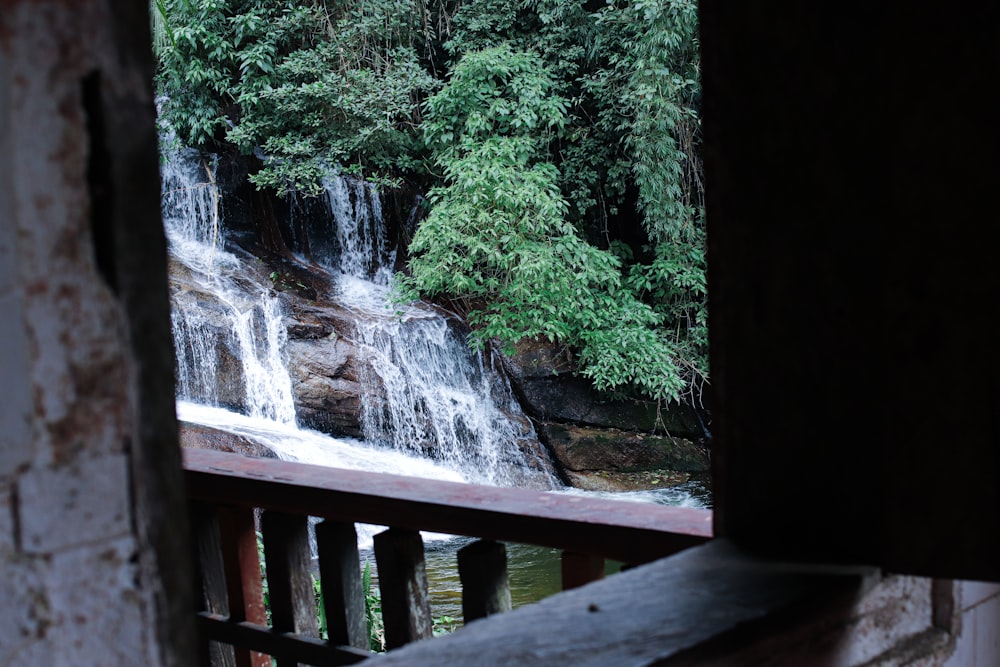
307, 650
699, 607
243, 575
288, 563
482, 568
215, 594
402, 580
624, 531
340, 580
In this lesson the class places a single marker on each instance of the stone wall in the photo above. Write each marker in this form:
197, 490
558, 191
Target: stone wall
94, 564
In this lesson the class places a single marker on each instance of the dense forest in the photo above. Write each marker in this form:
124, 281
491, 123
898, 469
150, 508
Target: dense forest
557, 142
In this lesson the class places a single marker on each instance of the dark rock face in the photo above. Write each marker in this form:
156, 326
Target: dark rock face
581, 448
324, 363
324, 384
544, 380
196, 436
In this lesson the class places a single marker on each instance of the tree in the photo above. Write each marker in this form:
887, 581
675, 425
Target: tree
307, 89
497, 238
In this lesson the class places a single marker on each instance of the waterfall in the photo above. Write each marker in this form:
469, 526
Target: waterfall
223, 317
356, 209
426, 391
426, 395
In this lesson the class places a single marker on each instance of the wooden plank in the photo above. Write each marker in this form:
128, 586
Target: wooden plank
402, 580
243, 574
482, 568
340, 579
305, 650
214, 590
711, 598
580, 569
288, 561
624, 531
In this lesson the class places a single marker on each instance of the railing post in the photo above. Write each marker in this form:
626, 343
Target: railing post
340, 579
214, 591
287, 559
482, 568
579, 569
402, 580
242, 563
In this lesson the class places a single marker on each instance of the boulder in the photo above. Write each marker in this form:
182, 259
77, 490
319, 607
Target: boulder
581, 449
325, 385
197, 436
324, 364
608, 480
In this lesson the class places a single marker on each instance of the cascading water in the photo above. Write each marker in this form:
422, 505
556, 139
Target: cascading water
227, 324
359, 229
430, 405
426, 391
217, 299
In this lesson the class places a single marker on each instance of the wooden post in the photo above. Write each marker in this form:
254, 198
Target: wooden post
402, 580
287, 559
242, 562
579, 569
340, 579
482, 568
215, 594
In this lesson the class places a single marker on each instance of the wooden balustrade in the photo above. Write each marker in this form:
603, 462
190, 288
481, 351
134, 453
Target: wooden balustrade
226, 490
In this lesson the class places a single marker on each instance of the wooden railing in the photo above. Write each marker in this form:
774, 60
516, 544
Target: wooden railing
232, 497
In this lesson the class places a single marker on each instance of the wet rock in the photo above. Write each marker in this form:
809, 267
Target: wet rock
204, 323
581, 449
324, 364
325, 384
606, 480
536, 462
197, 436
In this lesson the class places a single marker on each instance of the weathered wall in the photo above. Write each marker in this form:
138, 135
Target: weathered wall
94, 566
912, 621
977, 625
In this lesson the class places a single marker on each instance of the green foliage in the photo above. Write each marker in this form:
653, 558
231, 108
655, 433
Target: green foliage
497, 236
263, 577
324, 631
628, 147
546, 132
373, 611
495, 92
309, 88
652, 88
445, 624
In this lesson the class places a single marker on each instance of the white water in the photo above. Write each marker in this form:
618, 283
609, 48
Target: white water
254, 329
290, 443
439, 395
356, 209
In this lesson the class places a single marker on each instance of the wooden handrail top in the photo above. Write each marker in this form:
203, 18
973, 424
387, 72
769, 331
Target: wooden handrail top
626, 531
